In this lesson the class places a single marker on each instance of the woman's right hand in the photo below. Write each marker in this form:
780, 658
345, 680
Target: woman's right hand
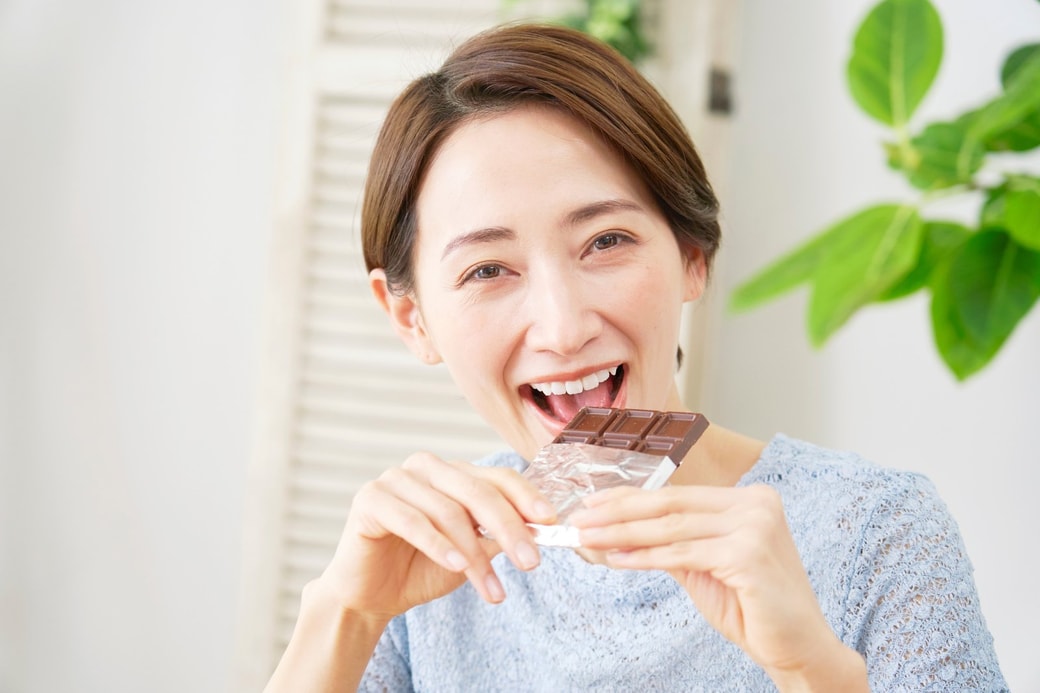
411, 535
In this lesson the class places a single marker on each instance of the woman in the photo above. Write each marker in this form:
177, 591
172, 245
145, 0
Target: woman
535, 217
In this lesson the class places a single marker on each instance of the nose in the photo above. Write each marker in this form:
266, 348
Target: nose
561, 315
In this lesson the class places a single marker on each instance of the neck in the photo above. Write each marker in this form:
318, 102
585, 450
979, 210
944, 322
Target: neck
720, 458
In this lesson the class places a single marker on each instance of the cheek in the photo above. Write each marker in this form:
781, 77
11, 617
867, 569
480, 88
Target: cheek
472, 343
653, 321
653, 301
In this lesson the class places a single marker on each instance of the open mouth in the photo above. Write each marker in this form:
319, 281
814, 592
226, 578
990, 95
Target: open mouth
561, 400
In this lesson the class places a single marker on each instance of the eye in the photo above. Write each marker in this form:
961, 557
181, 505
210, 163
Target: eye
606, 241
483, 273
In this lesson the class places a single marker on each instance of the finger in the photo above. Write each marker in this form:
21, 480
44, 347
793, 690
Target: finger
487, 584
525, 496
485, 503
445, 514
739, 553
405, 521
620, 504
700, 555
665, 529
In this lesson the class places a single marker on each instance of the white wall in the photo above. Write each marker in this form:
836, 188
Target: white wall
803, 156
137, 144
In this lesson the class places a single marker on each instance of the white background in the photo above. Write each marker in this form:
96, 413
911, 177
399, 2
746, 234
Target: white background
137, 147
137, 161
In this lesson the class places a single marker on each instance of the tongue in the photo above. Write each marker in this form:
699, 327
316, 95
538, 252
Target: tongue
564, 407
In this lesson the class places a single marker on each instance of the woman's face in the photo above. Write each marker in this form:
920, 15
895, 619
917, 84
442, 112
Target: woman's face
546, 278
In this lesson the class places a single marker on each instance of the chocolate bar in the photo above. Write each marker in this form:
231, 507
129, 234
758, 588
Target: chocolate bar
668, 434
603, 448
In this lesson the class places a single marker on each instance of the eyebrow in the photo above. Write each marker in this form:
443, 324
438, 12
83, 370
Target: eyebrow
596, 209
578, 216
488, 235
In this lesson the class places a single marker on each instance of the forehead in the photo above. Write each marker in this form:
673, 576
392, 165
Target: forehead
524, 165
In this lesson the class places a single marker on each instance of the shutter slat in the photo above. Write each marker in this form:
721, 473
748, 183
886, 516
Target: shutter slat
420, 385
338, 216
359, 402
320, 247
403, 443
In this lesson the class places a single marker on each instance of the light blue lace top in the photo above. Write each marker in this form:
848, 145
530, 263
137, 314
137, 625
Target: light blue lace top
884, 556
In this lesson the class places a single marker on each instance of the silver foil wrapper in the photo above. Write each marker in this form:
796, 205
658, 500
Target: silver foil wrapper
567, 472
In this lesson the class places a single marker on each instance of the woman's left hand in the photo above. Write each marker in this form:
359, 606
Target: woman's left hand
731, 550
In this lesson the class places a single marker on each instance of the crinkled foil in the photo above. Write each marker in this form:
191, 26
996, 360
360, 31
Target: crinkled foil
567, 472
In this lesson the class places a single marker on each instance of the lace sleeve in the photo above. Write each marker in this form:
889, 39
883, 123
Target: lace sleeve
388, 670
912, 606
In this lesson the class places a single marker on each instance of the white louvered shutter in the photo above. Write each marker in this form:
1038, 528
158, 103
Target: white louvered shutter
341, 398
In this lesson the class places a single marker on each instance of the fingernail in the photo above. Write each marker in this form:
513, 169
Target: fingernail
494, 588
527, 555
456, 560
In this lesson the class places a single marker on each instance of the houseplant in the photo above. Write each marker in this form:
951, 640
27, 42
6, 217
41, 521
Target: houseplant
617, 23
983, 278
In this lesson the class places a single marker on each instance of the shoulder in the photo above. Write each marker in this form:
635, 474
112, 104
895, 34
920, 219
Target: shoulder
796, 467
837, 498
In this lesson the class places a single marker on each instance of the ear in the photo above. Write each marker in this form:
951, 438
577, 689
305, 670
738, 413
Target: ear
405, 317
696, 274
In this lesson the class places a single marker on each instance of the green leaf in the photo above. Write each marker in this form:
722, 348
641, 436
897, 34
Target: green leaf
1015, 207
616, 23
1021, 137
996, 282
781, 276
1018, 103
878, 248
943, 156
799, 265
992, 212
940, 238
989, 284
896, 55
1025, 134
962, 355
1015, 60
1022, 216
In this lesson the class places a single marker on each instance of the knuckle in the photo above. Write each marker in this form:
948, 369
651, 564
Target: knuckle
747, 548
419, 460
508, 474
766, 496
673, 496
368, 488
414, 523
365, 496
503, 477
674, 523
392, 475
453, 515
473, 487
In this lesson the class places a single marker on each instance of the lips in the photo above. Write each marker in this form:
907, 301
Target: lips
574, 387
562, 399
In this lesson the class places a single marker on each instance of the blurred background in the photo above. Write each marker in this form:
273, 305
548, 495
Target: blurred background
150, 309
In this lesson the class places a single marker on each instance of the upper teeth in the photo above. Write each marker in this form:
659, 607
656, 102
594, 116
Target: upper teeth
573, 387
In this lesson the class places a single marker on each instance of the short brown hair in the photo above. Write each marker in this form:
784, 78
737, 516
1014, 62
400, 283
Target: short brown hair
513, 65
